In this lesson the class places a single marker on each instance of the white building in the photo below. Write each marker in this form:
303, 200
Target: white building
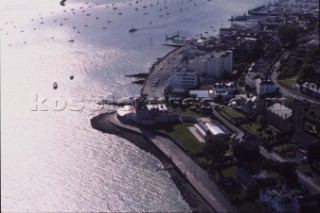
224, 87
209, 129
183, 78
311, 89
200, 94
214, 64
253, 79
145, 113
266, 87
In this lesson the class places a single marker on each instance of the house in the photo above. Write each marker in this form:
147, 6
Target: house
280, 116
149, 114
250, 106
266, 87
281, 199
227, 87
253, 182
310, 89
252, 79
200, 94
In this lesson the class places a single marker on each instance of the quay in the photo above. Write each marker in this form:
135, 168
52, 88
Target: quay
196, 176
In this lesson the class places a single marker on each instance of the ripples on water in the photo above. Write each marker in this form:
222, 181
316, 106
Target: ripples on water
53, 161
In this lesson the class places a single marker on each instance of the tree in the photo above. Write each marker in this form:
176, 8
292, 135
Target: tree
288, 33
216, 148
313, 152
243, 154
261, 120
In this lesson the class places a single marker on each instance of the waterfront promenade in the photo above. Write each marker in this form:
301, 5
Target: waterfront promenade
196, 176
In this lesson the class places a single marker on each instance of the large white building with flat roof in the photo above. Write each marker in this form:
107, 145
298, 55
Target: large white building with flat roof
215, 64
183, 78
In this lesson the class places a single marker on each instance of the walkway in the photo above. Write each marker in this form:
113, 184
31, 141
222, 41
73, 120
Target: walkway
197, 176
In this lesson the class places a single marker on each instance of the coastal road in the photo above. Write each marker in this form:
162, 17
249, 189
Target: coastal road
162, 70
196, 176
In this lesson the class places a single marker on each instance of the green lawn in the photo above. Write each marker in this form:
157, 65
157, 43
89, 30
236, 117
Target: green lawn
262, 133
230, 172
290, 82
289, 101
184, 137
285, 148
232, 113
304, 168
186, 111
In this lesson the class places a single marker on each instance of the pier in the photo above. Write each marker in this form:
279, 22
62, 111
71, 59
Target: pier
177, 35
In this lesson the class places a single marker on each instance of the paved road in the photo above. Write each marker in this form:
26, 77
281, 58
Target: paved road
307, 181
284, 90
161, 70
197, 177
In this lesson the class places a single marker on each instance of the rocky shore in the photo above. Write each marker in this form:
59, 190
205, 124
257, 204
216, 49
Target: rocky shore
195, 201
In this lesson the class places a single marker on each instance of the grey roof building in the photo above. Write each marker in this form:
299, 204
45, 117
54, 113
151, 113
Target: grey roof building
280, 116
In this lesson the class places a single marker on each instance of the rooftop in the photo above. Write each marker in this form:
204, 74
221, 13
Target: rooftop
280, 110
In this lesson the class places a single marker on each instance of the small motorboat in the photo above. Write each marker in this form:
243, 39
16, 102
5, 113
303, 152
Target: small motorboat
71, 77
133, 30
55, 85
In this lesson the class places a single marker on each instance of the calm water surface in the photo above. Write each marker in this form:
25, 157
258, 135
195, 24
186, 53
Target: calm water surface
53, 161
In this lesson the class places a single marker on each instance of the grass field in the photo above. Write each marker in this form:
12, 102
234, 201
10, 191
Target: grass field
184, 137
290, 82
232, 113
264, 134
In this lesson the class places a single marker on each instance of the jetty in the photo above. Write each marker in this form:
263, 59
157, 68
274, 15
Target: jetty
177, 35
138, 75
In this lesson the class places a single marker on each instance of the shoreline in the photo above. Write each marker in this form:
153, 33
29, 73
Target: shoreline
189, 194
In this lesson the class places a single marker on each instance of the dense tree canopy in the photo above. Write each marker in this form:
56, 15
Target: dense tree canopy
313, 152
288, 33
